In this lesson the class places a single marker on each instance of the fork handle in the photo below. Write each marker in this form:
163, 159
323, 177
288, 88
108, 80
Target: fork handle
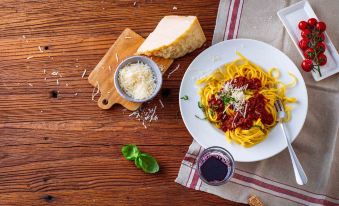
299, 173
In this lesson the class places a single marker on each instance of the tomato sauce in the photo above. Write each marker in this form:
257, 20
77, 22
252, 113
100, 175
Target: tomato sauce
255, 107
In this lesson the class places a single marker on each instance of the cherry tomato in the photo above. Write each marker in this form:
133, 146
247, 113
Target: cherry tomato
303, 44
309, 53
306, 34
320, 26
303, 25
312, 22
322, 59
320, 37
320, 47
307, 65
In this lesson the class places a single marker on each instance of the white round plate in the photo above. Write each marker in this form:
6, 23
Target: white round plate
266, 57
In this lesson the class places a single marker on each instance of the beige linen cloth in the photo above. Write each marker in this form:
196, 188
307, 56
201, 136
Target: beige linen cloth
317, 145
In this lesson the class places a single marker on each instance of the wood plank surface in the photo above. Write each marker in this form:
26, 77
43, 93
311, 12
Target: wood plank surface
56, 146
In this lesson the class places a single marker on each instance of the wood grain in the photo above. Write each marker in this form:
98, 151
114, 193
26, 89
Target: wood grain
56, 146
102, 76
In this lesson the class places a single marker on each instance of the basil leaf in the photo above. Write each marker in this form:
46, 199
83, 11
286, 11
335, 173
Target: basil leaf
130, 151
147, 163
201, 106
184, 97
200, 117
137, 162
227, 99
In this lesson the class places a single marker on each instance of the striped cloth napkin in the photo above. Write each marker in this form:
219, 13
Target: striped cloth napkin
316, 146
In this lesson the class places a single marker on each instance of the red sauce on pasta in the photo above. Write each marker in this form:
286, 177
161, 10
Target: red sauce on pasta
255, 107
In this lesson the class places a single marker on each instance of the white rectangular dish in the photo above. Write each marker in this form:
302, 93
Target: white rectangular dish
290, 17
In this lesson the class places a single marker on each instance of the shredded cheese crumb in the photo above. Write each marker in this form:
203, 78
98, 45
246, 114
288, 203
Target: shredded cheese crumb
76, 94
176, 68
116, 57
23, 36
137, 80
57, 82
55, 73
175, 8
30, 84
135, 3
30, 57
128, 37
95, 93
83, 73
145, 115
40, 49
162, 105
44, 71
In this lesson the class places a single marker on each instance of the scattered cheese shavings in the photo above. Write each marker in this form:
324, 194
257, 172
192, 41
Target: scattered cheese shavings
45, 78
117, 57
76, 94
145, 115
55, 73
30, 57
135, 3
44, 71
162, 105
40, 49
30, 84
23, 36
176, 68
215, 58
83, 73
128, 37
66, 84
57, 82
175, 8
95, 93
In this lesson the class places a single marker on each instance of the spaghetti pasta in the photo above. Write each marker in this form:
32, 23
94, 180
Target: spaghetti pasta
239, 99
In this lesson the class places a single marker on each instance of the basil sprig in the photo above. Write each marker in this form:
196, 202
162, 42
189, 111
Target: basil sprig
142, 160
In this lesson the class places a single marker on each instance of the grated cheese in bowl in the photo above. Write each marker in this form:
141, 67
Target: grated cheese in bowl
138, 79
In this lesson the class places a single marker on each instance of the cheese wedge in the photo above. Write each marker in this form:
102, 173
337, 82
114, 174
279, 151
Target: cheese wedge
174, 37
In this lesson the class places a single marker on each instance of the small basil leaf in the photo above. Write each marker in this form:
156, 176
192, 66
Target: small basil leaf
184, 97
137, 162
130, 151
148, 163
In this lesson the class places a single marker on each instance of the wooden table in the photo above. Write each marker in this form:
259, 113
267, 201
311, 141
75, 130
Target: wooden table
57, 146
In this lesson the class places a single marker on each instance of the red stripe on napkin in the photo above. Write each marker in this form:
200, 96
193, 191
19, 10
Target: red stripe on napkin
282, 190
228, 11
233, 19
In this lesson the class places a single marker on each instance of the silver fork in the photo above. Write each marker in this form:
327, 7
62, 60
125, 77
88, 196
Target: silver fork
299, 173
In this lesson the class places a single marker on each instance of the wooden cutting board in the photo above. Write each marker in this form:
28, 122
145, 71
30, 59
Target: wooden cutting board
102, 77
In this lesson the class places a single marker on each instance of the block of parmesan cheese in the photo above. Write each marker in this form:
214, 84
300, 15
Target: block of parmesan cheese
174, 37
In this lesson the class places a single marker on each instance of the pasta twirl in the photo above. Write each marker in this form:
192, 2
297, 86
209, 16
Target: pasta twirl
239, 99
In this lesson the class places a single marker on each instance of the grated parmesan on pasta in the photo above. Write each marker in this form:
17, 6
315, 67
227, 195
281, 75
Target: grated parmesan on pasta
137, 80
